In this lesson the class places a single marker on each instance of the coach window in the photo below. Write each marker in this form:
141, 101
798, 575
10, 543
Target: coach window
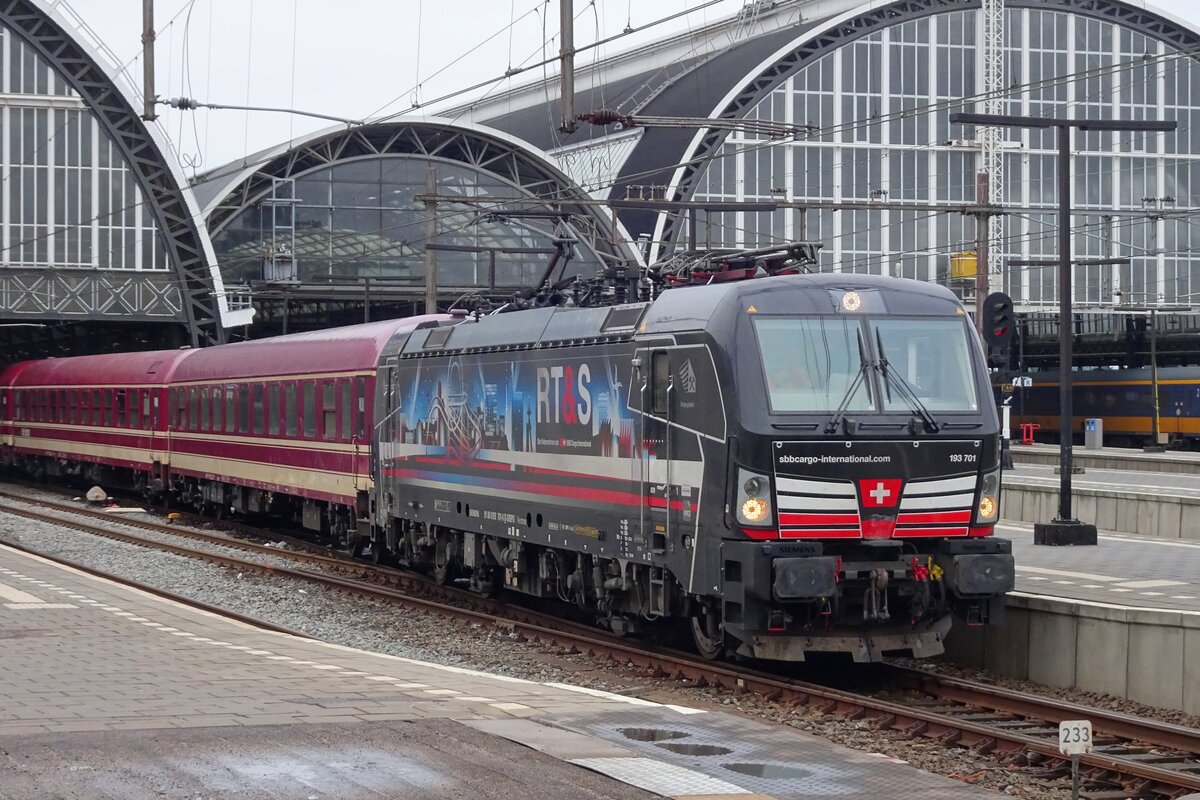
106, 397
135, 408
361, 407
329, 410
289, 410
310, 409
54, 405
660, 376
218, 405
347, 410
120, 401
230, 410
273, 409
193, 409
257, 390
146, 418
243, 408
205, 408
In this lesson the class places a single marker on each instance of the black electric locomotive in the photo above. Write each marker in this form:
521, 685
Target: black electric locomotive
787, 464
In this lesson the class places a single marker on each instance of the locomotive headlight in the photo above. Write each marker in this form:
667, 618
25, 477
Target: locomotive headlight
989, 498
754, 510
753, 501
987, 507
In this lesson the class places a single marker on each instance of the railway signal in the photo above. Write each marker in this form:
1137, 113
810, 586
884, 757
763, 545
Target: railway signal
999, 323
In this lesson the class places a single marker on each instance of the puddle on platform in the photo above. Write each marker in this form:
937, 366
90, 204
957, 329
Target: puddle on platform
652, 734
695, 749
770, 771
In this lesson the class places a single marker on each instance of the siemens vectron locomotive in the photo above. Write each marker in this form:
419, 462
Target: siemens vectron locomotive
785, 465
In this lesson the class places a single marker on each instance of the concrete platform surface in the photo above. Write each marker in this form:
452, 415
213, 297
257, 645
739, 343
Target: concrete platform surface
1141, 481
109, 692
1123, 458
1128, 570
431, 758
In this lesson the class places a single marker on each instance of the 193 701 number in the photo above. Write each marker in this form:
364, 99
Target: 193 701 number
968, 458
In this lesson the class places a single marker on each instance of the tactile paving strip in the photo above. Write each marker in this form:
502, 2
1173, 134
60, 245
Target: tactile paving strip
659, 777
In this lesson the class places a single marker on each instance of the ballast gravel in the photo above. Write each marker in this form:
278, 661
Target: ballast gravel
382, 627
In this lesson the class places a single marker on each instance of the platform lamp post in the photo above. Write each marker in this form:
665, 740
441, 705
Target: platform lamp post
1063, 529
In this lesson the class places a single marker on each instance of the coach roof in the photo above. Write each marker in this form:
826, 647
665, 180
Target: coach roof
353, 348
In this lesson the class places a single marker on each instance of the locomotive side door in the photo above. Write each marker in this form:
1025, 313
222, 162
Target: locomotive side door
654, 450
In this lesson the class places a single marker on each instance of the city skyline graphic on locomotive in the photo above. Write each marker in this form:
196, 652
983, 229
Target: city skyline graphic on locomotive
786, 465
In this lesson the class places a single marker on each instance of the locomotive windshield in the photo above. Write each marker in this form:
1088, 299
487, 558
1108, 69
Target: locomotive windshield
811, 364
931, 356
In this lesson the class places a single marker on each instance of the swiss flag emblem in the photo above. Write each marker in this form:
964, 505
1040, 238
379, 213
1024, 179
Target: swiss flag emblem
879, 492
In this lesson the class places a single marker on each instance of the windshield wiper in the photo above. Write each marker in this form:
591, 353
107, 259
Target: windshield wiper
903, 388
859, 380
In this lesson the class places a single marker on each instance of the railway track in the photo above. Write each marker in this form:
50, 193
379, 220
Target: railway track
1133, 757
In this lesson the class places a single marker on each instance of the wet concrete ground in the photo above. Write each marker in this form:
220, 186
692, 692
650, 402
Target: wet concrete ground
350, 761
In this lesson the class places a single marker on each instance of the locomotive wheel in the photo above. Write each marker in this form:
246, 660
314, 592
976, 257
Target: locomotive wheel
708, 636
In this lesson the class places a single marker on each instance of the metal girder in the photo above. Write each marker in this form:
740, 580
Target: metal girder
197, 303
63, 294
873, 18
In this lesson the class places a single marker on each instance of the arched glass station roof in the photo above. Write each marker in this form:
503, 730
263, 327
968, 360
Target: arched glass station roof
351, 204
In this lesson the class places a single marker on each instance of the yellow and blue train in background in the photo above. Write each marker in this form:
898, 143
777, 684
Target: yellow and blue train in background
1123, 398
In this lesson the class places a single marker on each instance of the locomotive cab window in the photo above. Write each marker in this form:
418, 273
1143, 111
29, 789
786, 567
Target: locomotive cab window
812, 364
660, 379
932, 357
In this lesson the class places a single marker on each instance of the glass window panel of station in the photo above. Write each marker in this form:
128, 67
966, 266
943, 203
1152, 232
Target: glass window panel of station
54, 172
360, 219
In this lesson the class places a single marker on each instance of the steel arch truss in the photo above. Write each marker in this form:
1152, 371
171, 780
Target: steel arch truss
443, 141
816, 45
190, 296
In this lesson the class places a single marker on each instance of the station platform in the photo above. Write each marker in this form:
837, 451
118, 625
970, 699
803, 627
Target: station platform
1162, 504
108, 691
1118, 458
1121, 617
